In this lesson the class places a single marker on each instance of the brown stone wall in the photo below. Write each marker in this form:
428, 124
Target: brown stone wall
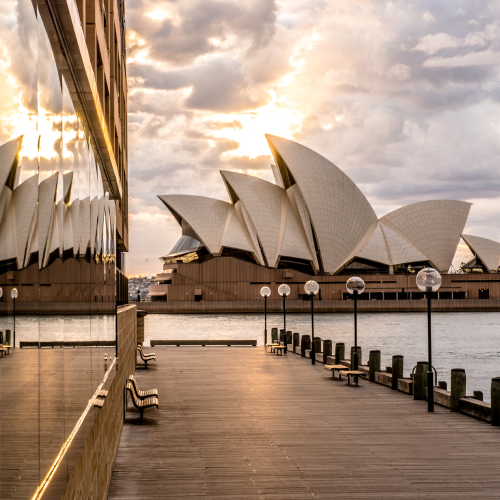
320, 306
92, 474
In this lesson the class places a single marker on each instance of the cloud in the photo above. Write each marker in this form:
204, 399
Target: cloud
402, 96
428, 17
430, 44
486, 57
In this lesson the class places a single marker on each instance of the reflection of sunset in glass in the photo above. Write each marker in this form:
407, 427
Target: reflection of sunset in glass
21, 121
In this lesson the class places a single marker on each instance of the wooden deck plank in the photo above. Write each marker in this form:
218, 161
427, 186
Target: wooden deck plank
241, 423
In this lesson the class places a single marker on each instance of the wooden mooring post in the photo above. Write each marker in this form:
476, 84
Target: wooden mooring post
397, 370
458, 386
327, 350
339, 352
305, 344
495, 401
373, 364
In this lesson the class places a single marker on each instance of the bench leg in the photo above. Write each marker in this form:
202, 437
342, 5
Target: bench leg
142, 416
145, 366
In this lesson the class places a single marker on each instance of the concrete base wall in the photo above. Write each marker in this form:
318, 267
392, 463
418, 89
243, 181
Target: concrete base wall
91, 476
41, 308
326, 306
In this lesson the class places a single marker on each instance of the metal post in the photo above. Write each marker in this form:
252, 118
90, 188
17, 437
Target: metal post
284, 320
355, 367
430, 382
313, 350
14, 344
265, 320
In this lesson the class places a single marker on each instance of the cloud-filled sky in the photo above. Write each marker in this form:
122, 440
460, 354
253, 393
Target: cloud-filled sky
403, 96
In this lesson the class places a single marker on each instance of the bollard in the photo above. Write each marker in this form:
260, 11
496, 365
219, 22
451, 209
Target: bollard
478, 395
339, 352
296, 340
373, 364
397, 370
495, 401
288, 337
458, 384
274, 335
352, 357
282, 333
1, 338
327, 350
420, 380
8, 337
305, 343
317, 345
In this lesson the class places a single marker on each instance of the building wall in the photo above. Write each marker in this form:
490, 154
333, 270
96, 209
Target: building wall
91, 476
230, 280
67, 249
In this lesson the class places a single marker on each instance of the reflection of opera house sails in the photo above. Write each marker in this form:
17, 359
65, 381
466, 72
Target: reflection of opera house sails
313, 221
36, 227
63, 159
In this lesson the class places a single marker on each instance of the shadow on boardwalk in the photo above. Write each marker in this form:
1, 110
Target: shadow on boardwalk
240, 423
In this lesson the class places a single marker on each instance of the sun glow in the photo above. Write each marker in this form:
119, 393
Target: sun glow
278, 117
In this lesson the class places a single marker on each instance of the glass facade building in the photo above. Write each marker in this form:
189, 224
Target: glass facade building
63, 229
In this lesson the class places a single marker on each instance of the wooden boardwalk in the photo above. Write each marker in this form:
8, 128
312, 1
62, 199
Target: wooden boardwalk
237, 423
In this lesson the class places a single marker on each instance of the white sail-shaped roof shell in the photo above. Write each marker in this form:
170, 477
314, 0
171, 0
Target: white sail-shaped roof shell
401, 251
374, 247
319, 215
234, 235
487, 250
24, 201
8, 154
433, 227
272, 216
340, 213
206, 216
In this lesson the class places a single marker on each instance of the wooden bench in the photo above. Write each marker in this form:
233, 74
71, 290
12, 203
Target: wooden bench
8, 347
146, 357
101, 397
141, 404
272, 346
143, 394
279, 349
352, 373
98, 402
336, 368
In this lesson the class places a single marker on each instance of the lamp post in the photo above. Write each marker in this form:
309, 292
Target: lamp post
284, 291
14, 295
428, 281
312, 288
355, 286
265, 291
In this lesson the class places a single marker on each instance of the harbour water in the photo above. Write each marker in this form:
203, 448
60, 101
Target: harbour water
68, 328
460, 340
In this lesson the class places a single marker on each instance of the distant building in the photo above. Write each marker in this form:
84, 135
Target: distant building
314, 222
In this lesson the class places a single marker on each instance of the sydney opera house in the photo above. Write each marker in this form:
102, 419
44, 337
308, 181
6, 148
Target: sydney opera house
314, 221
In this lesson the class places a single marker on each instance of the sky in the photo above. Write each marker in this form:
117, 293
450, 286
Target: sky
403, 96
